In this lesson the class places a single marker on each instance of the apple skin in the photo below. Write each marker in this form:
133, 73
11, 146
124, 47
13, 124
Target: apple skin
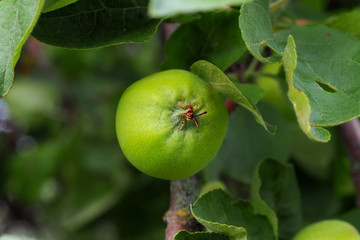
148, 124
329, 230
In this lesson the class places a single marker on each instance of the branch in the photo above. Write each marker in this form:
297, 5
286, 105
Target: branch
183, 193
350, 133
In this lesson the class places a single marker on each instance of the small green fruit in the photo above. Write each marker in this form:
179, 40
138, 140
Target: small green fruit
329, 230
171, 124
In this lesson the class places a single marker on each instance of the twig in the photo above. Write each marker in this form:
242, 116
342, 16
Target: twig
350, 133
183, 193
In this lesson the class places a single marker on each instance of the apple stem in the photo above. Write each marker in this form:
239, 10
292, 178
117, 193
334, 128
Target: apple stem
182, 194
350, 133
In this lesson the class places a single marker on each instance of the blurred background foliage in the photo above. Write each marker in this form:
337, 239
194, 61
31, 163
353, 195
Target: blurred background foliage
63, 175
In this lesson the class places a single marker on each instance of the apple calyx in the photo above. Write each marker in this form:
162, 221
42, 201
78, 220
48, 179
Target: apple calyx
189, 115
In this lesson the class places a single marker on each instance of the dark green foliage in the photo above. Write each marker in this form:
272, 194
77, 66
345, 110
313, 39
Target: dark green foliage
90, 24
214, 37
62, 173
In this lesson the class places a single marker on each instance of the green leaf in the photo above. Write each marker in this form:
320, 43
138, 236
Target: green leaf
320, 72
185, 235
233, 218
221, 83
241, 150
163, 8
215, 37
348, 22
17, 19
323, 77
95, 23
275, 194
299, 99
256, 28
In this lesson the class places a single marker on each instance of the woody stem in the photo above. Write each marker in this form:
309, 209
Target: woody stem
183, 193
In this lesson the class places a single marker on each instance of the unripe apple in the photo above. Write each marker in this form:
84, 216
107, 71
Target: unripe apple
171, 124
329, 230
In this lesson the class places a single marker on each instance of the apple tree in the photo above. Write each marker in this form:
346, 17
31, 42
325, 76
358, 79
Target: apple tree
247, 108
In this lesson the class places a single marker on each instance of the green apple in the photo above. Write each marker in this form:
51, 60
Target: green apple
329, 230
171, 124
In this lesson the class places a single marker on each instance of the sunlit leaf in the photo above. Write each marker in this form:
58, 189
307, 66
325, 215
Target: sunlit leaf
321, 74
163, 8
17, 19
